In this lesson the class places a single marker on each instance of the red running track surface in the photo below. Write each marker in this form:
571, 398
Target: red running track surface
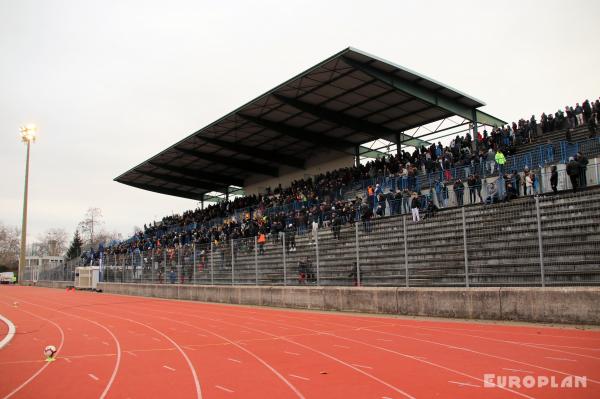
133, 347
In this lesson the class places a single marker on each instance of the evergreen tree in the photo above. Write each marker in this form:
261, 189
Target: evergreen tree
75, 247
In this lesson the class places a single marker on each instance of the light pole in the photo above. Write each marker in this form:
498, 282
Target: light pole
27, 136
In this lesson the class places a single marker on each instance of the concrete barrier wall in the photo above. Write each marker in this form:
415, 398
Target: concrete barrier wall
50, 284
571, 305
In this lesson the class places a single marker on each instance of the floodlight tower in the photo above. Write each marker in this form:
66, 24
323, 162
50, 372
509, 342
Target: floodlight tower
28, 133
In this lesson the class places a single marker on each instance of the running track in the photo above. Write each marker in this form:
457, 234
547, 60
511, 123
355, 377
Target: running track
132, 347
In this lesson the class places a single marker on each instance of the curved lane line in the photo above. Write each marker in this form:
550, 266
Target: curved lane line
34, 375
10, 334
118, 345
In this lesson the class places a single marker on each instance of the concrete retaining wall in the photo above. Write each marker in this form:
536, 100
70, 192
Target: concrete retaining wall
572, 305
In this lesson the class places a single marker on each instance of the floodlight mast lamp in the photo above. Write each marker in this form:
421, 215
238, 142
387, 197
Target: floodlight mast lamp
28, 133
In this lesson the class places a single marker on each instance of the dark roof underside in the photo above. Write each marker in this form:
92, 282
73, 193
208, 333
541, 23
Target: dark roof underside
347, 100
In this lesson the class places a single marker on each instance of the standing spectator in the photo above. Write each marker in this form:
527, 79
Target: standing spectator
569, 136
491, 160
471, 184
414, 206
459, 189
578, 112
583, 163
406, 201
554, 179
478, 187
571, 117
587, 111
528, 182
500, 160
290, 238
439, 187
336, 225
532, 128
592, 127
573, 170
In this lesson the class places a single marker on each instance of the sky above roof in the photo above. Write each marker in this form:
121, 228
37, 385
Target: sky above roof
112, 83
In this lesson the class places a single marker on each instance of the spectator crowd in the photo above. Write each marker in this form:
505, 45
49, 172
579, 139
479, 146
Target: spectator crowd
321, 201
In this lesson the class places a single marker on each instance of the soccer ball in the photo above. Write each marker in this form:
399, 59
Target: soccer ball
50, 351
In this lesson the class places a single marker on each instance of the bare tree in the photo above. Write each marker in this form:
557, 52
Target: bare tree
91, 223
53, 242
10, 243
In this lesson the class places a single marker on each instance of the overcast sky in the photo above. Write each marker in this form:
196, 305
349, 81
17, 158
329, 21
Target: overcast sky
111, 83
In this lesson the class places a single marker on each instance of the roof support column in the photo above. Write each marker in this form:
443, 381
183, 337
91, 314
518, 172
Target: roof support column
475, 136
357, 156
398, 142
202, 201
227, 194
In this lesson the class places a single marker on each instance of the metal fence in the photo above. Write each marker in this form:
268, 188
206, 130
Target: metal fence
533, 241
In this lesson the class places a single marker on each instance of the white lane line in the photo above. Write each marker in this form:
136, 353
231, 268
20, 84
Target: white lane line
427, 335
224, 389
93, 377
104, 343
299, 377
466, 384
85, 335
131, 353
385, 397
362, 366
245, 332
67, 359
292, 353
561, 358
234, 360
156, 339
35, 339
342, 346
34, 375
201, 335
169, 368
69, 329
384, 340
517, 370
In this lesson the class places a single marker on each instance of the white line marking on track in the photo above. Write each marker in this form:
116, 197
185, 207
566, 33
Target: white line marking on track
385, 340
169, 368
561, 358
385, 397
224, 389
465, 384
35, 339
517, 370
93, 377
362, 366
234, 360
156, 339
299, 377
201, 335
342, 346
67, 359
131, 353
104, 343
292, 353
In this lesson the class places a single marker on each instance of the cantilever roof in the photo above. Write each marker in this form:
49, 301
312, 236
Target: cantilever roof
349, 99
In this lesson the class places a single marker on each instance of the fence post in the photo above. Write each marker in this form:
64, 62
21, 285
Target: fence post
256, 259
123, 271
405, 253
541, 246
152, 265
212, 265
284, 261
357, 255
317, 255
193, 263
232, 264
464, 226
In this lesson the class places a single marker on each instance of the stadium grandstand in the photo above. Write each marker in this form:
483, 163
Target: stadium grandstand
335, 178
